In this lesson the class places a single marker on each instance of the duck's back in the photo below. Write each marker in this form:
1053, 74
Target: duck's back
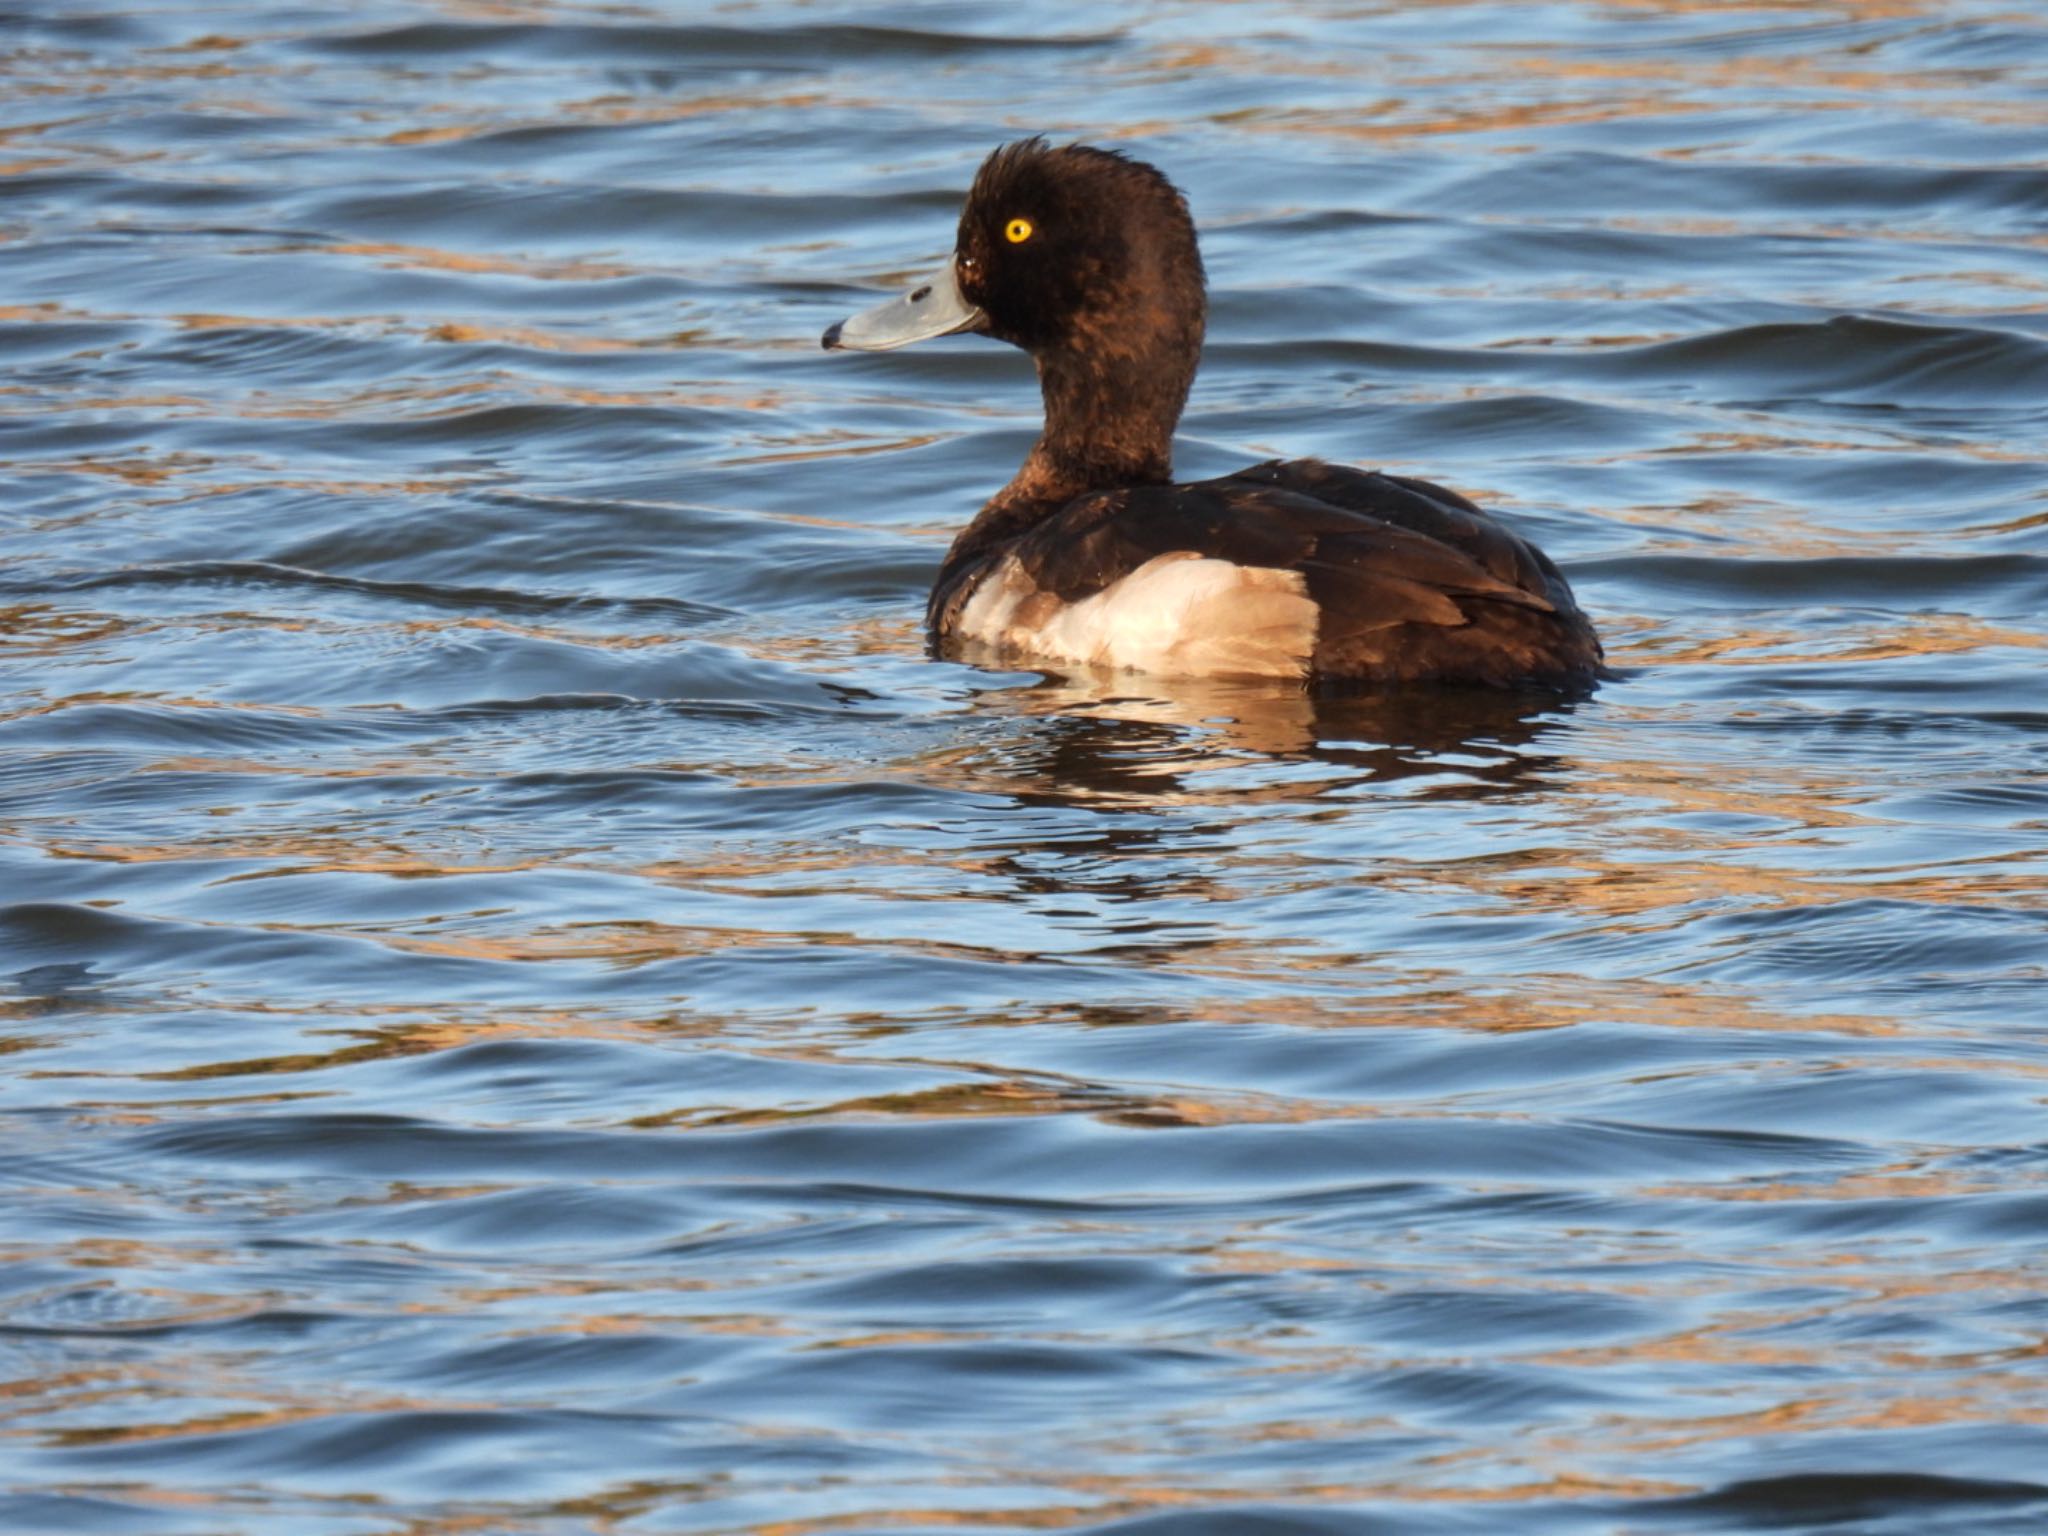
1295, 569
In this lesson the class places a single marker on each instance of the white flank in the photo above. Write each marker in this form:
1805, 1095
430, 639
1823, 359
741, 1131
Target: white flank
1178, 615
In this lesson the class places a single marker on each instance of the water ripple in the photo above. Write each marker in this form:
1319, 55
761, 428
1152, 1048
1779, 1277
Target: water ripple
532, 1004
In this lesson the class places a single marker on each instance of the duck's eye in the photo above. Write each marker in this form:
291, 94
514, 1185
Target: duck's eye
1017, 231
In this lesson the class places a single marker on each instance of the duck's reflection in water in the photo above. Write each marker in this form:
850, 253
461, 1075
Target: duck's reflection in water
1116, 738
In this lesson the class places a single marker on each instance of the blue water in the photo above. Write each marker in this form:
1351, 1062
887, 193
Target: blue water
531, 1005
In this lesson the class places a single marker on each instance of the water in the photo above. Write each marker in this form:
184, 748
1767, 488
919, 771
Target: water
533, 1006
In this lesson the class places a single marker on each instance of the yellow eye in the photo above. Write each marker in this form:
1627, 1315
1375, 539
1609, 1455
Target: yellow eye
1017, 231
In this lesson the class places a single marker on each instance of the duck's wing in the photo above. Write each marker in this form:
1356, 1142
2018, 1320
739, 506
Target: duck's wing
1476, 602
1435, 511
1379, 579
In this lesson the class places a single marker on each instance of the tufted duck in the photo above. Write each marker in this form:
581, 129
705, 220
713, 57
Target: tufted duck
1091, 555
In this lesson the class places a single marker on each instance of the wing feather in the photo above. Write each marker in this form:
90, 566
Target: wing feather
1409, 581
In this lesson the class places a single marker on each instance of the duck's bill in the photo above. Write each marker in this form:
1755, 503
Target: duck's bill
934, 307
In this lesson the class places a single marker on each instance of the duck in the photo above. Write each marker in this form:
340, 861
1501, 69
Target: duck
1092, 556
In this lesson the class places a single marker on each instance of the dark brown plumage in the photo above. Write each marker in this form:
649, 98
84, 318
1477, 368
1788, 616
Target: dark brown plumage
1088, 261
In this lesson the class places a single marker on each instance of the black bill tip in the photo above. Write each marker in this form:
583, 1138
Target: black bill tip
832, 335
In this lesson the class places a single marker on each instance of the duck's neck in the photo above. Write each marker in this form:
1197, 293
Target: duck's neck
1111, 403
1109, 422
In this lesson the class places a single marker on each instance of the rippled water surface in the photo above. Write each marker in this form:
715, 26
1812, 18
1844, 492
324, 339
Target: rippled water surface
533, 1006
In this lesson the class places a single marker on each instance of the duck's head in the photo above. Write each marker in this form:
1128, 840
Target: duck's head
1068, 249
1087, 260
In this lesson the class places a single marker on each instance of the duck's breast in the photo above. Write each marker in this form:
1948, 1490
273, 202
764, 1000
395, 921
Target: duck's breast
1179, 614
